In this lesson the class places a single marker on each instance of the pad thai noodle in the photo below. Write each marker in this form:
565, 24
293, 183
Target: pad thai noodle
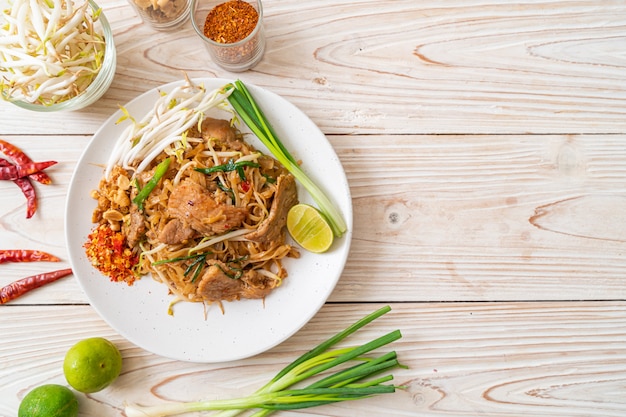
188, 200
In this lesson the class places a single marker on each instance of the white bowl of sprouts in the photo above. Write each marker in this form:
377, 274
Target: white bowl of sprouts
54, 54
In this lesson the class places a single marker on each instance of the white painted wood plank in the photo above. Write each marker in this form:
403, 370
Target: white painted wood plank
466, 66
488, 360
436, 218
528, 217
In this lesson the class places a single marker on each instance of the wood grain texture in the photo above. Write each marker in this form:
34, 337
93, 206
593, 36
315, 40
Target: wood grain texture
436, 218
484, 143
533, 217
479, 359
46, 229
402, 66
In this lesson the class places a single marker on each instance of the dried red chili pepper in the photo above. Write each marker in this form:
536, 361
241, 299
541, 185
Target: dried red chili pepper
13, 172
24, 285
27, 189
19, 157
26, 255
31, 196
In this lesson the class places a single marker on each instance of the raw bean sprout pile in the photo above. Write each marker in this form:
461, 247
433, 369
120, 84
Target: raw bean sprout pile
50, 50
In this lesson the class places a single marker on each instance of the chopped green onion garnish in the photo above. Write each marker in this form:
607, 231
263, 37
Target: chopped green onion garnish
197, 265
231, 165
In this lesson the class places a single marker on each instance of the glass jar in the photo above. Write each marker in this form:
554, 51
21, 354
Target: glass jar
162, 14
236, 56
99, 85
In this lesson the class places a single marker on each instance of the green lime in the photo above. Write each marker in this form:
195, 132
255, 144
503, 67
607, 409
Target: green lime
309, 228
92, 364
50, 400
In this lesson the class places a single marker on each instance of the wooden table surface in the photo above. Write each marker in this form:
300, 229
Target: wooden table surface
485, 147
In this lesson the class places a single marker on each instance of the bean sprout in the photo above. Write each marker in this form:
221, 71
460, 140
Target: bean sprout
172, 115
50, 50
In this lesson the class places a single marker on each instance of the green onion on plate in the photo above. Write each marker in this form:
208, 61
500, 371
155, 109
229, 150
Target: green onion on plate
249, 111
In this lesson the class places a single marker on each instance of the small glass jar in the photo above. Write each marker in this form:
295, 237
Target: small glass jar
162, 14
100, 84
236, 56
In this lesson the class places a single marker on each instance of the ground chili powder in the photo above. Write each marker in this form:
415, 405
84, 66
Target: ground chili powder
231, 21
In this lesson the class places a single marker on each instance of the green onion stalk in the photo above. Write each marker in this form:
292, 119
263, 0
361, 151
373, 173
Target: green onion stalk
246, 107
360, 378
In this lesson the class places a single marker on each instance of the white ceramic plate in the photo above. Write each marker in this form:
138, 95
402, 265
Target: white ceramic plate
247, 327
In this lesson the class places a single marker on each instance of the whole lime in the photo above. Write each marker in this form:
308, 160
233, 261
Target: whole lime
50, 400
92, 364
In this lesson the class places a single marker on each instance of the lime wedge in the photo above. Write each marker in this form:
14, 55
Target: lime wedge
309, 228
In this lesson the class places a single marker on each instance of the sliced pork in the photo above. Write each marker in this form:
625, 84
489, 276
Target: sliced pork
286, 197
216, 285
176, 231
194, 205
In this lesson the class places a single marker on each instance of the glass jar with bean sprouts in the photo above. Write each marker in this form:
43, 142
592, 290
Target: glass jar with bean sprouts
54, 54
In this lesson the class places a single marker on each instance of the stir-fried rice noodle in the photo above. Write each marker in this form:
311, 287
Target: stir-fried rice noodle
208, 236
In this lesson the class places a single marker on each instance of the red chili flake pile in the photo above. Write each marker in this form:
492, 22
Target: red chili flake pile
231, 21
108, 252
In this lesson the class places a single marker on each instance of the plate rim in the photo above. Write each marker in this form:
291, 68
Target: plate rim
70, 235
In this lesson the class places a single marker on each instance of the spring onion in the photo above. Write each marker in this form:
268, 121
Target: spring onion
231, 165
236, 272
50, 51
159, 171
349, 383
246, 107
197, 265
